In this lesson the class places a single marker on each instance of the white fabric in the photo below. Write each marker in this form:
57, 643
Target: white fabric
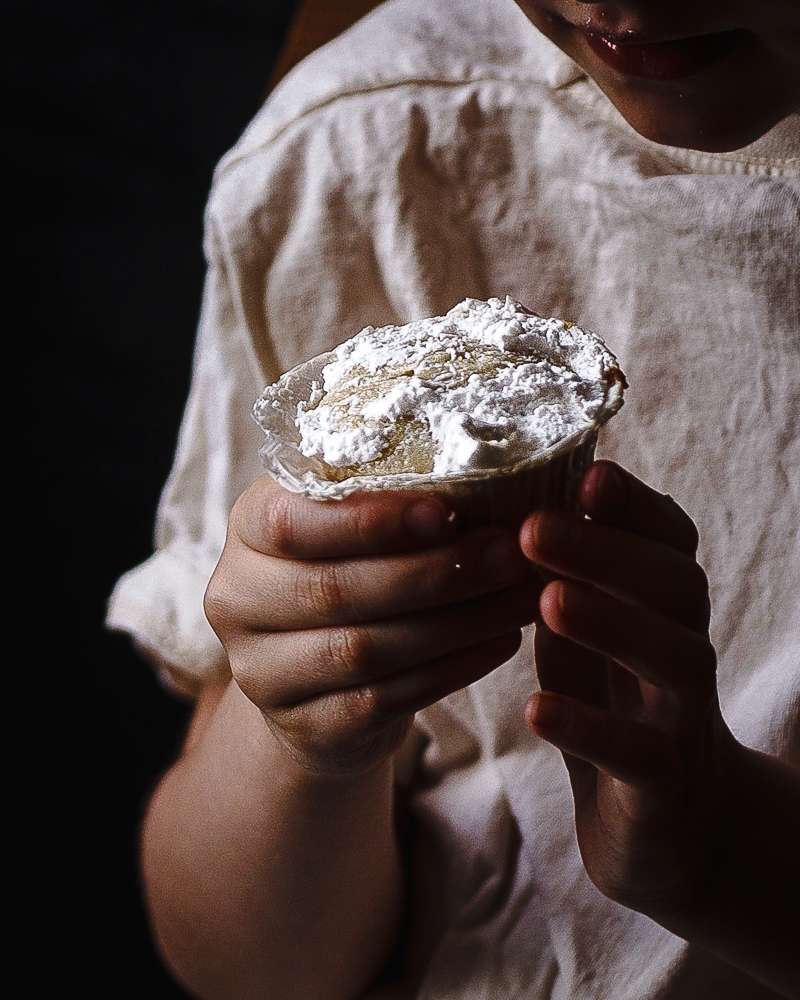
444, 150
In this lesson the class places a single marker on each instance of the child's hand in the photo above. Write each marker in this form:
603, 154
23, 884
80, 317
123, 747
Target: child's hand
341, 619
674, 817
629, 694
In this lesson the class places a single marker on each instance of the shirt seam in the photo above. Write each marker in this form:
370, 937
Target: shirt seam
367, 91
708, 163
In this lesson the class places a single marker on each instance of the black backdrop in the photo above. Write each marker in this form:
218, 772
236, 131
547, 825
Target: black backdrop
116, 112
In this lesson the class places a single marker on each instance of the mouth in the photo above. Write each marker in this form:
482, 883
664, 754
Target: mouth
663, 60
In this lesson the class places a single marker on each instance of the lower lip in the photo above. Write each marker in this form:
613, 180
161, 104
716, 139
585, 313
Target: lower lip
664, 60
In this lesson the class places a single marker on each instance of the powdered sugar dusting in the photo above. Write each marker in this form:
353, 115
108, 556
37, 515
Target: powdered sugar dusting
492, 384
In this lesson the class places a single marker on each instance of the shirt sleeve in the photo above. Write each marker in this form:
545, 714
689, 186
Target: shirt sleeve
291, 273
321, 221
160, 603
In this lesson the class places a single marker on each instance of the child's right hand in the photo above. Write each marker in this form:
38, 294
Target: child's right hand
342, 619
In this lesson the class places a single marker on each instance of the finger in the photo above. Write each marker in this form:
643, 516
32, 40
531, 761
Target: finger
625, 693
416, 689
268, 594
629, 566
653, 647
567, 668
344, 726
613, 496
283, 668
271, 520
627, 750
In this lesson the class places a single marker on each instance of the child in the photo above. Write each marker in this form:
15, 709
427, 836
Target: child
314, 839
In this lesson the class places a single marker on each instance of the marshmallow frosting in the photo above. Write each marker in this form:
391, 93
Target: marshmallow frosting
486, 387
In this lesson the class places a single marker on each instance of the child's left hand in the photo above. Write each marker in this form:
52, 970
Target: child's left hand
664, 795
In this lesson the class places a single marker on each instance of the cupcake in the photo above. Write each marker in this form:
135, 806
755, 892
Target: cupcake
492, 406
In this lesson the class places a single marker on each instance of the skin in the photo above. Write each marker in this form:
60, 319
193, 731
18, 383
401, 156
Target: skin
272, 838
270, 857
674, 818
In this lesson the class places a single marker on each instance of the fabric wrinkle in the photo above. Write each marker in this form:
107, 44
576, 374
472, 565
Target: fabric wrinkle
439, 151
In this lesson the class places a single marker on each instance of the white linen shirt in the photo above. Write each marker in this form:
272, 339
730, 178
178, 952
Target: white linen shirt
439, 150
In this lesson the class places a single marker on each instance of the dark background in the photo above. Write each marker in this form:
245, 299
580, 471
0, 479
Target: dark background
116, 112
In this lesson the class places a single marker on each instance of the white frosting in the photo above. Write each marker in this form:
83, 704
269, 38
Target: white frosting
538, 381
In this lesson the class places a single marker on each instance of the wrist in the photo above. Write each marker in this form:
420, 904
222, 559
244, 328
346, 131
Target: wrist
320, 774
744, 908
324, 748
303, 765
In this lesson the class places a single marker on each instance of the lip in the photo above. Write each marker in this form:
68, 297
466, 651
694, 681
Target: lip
671, 59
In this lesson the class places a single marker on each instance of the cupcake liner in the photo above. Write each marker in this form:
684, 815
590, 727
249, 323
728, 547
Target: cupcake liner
507, 499
498, 496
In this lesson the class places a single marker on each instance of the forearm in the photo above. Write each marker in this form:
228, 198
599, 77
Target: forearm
748, 914
263, 880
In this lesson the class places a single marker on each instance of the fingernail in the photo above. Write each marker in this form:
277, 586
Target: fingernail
552, 532
503, 559
427, 519
613, 486
548, 713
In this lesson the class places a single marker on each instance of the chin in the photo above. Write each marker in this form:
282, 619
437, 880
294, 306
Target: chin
711, 99
683, 121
